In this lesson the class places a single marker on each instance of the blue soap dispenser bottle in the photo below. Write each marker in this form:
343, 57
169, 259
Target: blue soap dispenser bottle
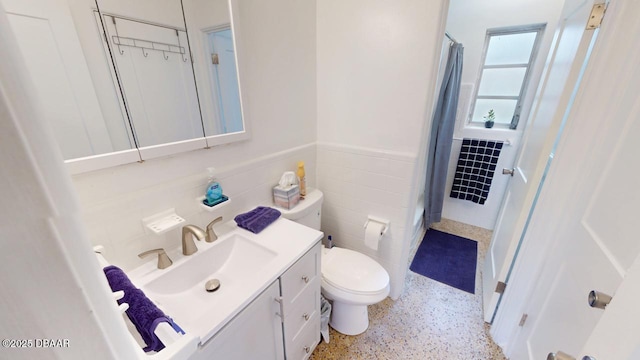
213, 194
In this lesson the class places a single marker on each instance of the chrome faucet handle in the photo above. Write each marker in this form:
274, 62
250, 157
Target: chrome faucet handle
188, 233
211, 234
163, 259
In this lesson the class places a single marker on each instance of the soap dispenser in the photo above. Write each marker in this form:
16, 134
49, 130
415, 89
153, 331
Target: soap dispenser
213, 194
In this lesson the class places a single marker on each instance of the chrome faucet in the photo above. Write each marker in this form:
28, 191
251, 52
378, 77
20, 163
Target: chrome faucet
211, 234
188, 233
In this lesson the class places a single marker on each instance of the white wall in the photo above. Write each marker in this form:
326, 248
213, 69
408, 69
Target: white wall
468, 22
281, 109
50, 278
376, 66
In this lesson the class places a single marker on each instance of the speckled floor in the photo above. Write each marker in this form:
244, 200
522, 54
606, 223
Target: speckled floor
429, 321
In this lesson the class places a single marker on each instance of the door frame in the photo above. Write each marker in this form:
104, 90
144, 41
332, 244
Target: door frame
543, 163
538, 240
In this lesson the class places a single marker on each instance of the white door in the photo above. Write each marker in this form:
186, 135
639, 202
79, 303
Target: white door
225, 81
566, 58
588, 208
51, 50
616, 334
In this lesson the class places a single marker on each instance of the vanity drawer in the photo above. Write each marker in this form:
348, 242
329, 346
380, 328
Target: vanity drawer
300, 276
303, 345
305, 312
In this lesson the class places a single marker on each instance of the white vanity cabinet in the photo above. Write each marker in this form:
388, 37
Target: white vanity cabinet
300, 286
283, 322
255, 333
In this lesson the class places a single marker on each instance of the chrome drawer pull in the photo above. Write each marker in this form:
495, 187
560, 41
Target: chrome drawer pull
305, 279
307, 349
305, 316
281, 303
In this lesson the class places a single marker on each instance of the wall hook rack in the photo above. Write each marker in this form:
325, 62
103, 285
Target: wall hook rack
147, 46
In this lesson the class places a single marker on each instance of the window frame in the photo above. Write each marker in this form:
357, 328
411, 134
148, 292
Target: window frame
510, 30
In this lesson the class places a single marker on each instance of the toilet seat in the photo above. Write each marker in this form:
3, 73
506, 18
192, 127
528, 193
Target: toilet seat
353, 272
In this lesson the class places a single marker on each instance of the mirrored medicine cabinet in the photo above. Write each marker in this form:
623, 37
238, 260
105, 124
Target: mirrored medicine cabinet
124, 81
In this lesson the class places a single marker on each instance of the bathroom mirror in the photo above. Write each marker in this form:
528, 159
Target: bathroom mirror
212, 44
71, 97
119, 81
146, 41
175, 65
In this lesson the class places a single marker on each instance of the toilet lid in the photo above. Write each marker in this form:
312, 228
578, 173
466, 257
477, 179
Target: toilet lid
353, 271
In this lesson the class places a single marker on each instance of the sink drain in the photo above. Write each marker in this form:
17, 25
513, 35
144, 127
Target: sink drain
212, 285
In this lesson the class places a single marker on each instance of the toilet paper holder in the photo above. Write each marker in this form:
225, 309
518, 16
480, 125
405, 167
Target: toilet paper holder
382, 221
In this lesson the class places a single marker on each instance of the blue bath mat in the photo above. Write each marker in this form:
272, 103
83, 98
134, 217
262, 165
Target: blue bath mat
447, 258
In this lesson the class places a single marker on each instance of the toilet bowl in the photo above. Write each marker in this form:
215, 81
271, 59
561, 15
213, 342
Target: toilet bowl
351, 280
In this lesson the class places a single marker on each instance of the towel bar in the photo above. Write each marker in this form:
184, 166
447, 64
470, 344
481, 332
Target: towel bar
163, 331
507, 142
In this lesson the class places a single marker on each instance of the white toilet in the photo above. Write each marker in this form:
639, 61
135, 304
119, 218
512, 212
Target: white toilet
350, 279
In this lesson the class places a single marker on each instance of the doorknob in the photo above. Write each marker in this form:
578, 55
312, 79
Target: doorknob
598, 300
507, 171
560, 356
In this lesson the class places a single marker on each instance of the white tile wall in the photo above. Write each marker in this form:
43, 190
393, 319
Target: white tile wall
114, 216
358, 182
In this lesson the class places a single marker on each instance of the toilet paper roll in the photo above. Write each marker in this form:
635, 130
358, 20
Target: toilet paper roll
373, 234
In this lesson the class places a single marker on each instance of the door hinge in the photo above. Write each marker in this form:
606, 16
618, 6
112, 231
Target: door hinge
596, 16
523, 319
214, 59
500, 286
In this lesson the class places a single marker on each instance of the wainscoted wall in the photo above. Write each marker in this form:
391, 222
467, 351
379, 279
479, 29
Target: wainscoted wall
115, 202
358, 182
377, 64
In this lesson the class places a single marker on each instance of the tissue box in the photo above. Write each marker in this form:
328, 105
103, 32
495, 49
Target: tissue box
286, 197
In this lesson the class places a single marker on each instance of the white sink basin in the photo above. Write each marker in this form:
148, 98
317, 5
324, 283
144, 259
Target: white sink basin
237, 262
233, 261
243, 262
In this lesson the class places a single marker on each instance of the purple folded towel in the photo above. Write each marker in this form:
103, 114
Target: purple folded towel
257, 219
142, 312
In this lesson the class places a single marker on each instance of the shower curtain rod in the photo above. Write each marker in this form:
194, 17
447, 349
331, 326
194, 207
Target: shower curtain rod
450, 37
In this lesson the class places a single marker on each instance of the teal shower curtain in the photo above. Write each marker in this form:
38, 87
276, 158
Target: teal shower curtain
441, 137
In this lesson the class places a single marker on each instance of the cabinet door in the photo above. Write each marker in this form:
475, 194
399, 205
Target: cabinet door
256, 333
301, 303
302, 325
302, 275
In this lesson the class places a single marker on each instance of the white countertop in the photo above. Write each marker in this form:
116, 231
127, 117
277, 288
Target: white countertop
287, 239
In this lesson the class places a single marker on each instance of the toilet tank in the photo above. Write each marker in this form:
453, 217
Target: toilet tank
308, 211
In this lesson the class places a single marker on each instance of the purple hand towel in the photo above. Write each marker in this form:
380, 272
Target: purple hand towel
142, 312
257, 219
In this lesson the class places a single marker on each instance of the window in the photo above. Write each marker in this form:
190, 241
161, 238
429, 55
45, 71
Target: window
508, 56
